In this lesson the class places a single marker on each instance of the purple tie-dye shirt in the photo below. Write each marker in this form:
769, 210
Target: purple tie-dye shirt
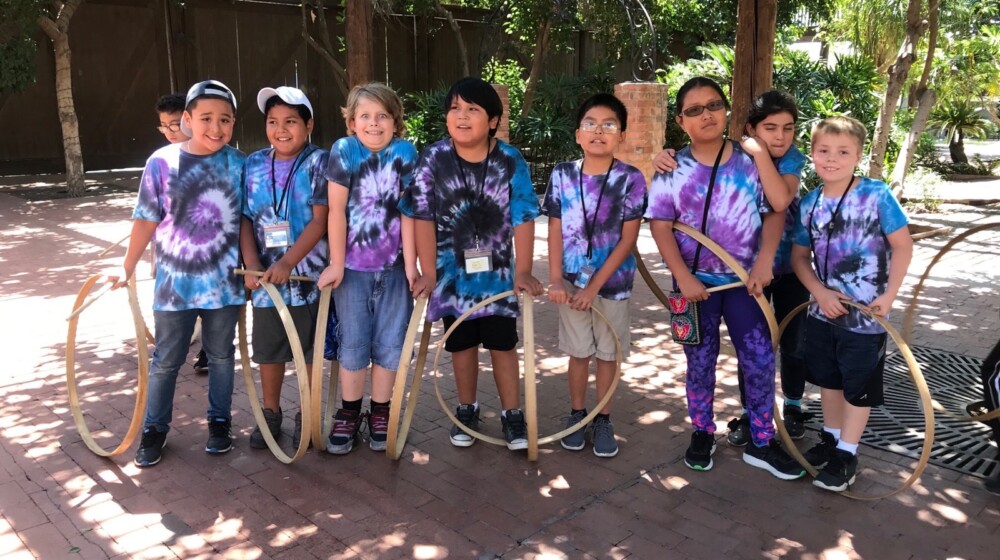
439, 194
196, 202
851, 254
375, 181
734, 218
624, 200
792, 163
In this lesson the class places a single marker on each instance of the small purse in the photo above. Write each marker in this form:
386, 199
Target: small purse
685, 327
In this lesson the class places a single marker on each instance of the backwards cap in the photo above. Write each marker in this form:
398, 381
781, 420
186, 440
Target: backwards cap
211, 89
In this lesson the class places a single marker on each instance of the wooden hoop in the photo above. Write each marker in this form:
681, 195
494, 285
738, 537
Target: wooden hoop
396, 438
139, 411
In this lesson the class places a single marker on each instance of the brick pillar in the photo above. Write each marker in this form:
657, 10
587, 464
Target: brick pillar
647, 123
503, 131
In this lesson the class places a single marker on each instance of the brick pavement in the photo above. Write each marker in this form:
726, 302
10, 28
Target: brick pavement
57, 500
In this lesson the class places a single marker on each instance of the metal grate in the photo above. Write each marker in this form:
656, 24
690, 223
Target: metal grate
966, 447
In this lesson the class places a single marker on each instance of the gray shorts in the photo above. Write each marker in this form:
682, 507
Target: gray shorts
583, 334
270, 341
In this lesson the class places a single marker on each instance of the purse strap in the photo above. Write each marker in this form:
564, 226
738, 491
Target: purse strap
708, 203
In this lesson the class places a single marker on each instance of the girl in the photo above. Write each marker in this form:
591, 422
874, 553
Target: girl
372, 258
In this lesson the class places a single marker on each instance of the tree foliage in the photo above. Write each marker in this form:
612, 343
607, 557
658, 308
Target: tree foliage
17, 43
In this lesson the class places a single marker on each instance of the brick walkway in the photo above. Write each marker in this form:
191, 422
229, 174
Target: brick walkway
57, 500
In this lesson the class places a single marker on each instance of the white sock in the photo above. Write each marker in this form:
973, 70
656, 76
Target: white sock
851, 448
835, 432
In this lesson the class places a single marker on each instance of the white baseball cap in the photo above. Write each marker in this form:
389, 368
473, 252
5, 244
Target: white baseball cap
210, 89
290, 95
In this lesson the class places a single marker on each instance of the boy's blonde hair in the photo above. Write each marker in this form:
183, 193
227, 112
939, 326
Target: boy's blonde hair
379, 93
842, 125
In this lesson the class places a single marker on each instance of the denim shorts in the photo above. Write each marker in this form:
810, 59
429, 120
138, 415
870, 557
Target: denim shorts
373, 311
846, 361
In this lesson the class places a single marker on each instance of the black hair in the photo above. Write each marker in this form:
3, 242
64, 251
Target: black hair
698, 82
771, 103
604, 100
302, 110
475, 90
170, 103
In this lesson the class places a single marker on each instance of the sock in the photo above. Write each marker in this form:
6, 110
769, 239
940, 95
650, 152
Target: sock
835, 432
385, 404
793, 402
578, 411
603, 417
353, 405
851, 448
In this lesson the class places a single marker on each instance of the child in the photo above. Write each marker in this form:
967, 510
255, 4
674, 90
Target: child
283, 230
372, 258
470, 193
189, 205
861, 248
990, 375
594, 206
716, 188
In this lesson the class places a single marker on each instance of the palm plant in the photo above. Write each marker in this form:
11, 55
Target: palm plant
958, 120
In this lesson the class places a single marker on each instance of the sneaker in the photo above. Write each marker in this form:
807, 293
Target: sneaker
201, 363
819, 454
794, 421
576, 440
699, 454
220, 437
515, 430
378, 427
839, 472
605, 444
992, 485
346, 427
151, 448
273, 421
297, 433
739, 431
468, 415
773, 459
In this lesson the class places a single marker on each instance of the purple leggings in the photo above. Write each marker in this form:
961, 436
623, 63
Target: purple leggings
749, 333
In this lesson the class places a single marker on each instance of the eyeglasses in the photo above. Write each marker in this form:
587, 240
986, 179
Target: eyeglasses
169, 128
607, 128
695, 110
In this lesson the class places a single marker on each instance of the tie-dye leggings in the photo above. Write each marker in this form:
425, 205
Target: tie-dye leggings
749, 333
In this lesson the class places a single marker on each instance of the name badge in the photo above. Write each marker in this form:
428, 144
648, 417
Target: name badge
277, 235
583, 278
478, 260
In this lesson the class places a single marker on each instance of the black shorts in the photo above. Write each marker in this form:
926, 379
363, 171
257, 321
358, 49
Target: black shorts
270, 341
846, 361
494, 333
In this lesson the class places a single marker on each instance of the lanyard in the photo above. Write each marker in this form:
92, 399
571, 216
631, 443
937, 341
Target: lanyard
278, 203
482, 180
829, 227
708, 203
589, 228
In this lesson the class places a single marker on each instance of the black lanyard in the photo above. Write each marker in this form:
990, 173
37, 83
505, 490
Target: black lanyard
482, 180
284, 193
589, 228
829, 227
708, 203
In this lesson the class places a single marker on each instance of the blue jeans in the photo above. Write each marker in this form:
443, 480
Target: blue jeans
373, 311
173, 338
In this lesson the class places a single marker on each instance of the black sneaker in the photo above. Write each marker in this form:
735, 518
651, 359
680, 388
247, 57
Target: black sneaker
151, 448
794, 421
819, 454
699, 454
578, 439
739, 431
773, 459
515, 429
220, 437
468, 415
346, 428
297, 433
839, 473
605, 444
992, 485
273, 421
201, 363
378, 427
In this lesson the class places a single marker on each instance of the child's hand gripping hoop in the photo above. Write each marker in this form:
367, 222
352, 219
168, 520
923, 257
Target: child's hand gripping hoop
141, 337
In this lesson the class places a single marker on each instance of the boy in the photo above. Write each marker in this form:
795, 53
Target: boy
594, 206
861, 247
189, 204
472, 193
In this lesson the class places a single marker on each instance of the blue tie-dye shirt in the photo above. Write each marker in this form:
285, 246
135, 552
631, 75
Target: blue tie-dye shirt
196, 202
792, 163
853, 255
375, 181
459, 210
306, 189
734, 218
624, 200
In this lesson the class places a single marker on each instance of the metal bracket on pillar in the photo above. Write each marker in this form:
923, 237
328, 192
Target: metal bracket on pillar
642, 46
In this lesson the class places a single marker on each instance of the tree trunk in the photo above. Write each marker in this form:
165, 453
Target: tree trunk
902, 167
753, 67
463, 53
323, 46
359, 19
957, 148
67, 118
915, 27
541, 47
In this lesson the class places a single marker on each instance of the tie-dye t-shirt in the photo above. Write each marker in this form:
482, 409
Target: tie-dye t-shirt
853, 255
734, 218
792, 163
375, 181
196, 202
306, 188
459, 210
624, 199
